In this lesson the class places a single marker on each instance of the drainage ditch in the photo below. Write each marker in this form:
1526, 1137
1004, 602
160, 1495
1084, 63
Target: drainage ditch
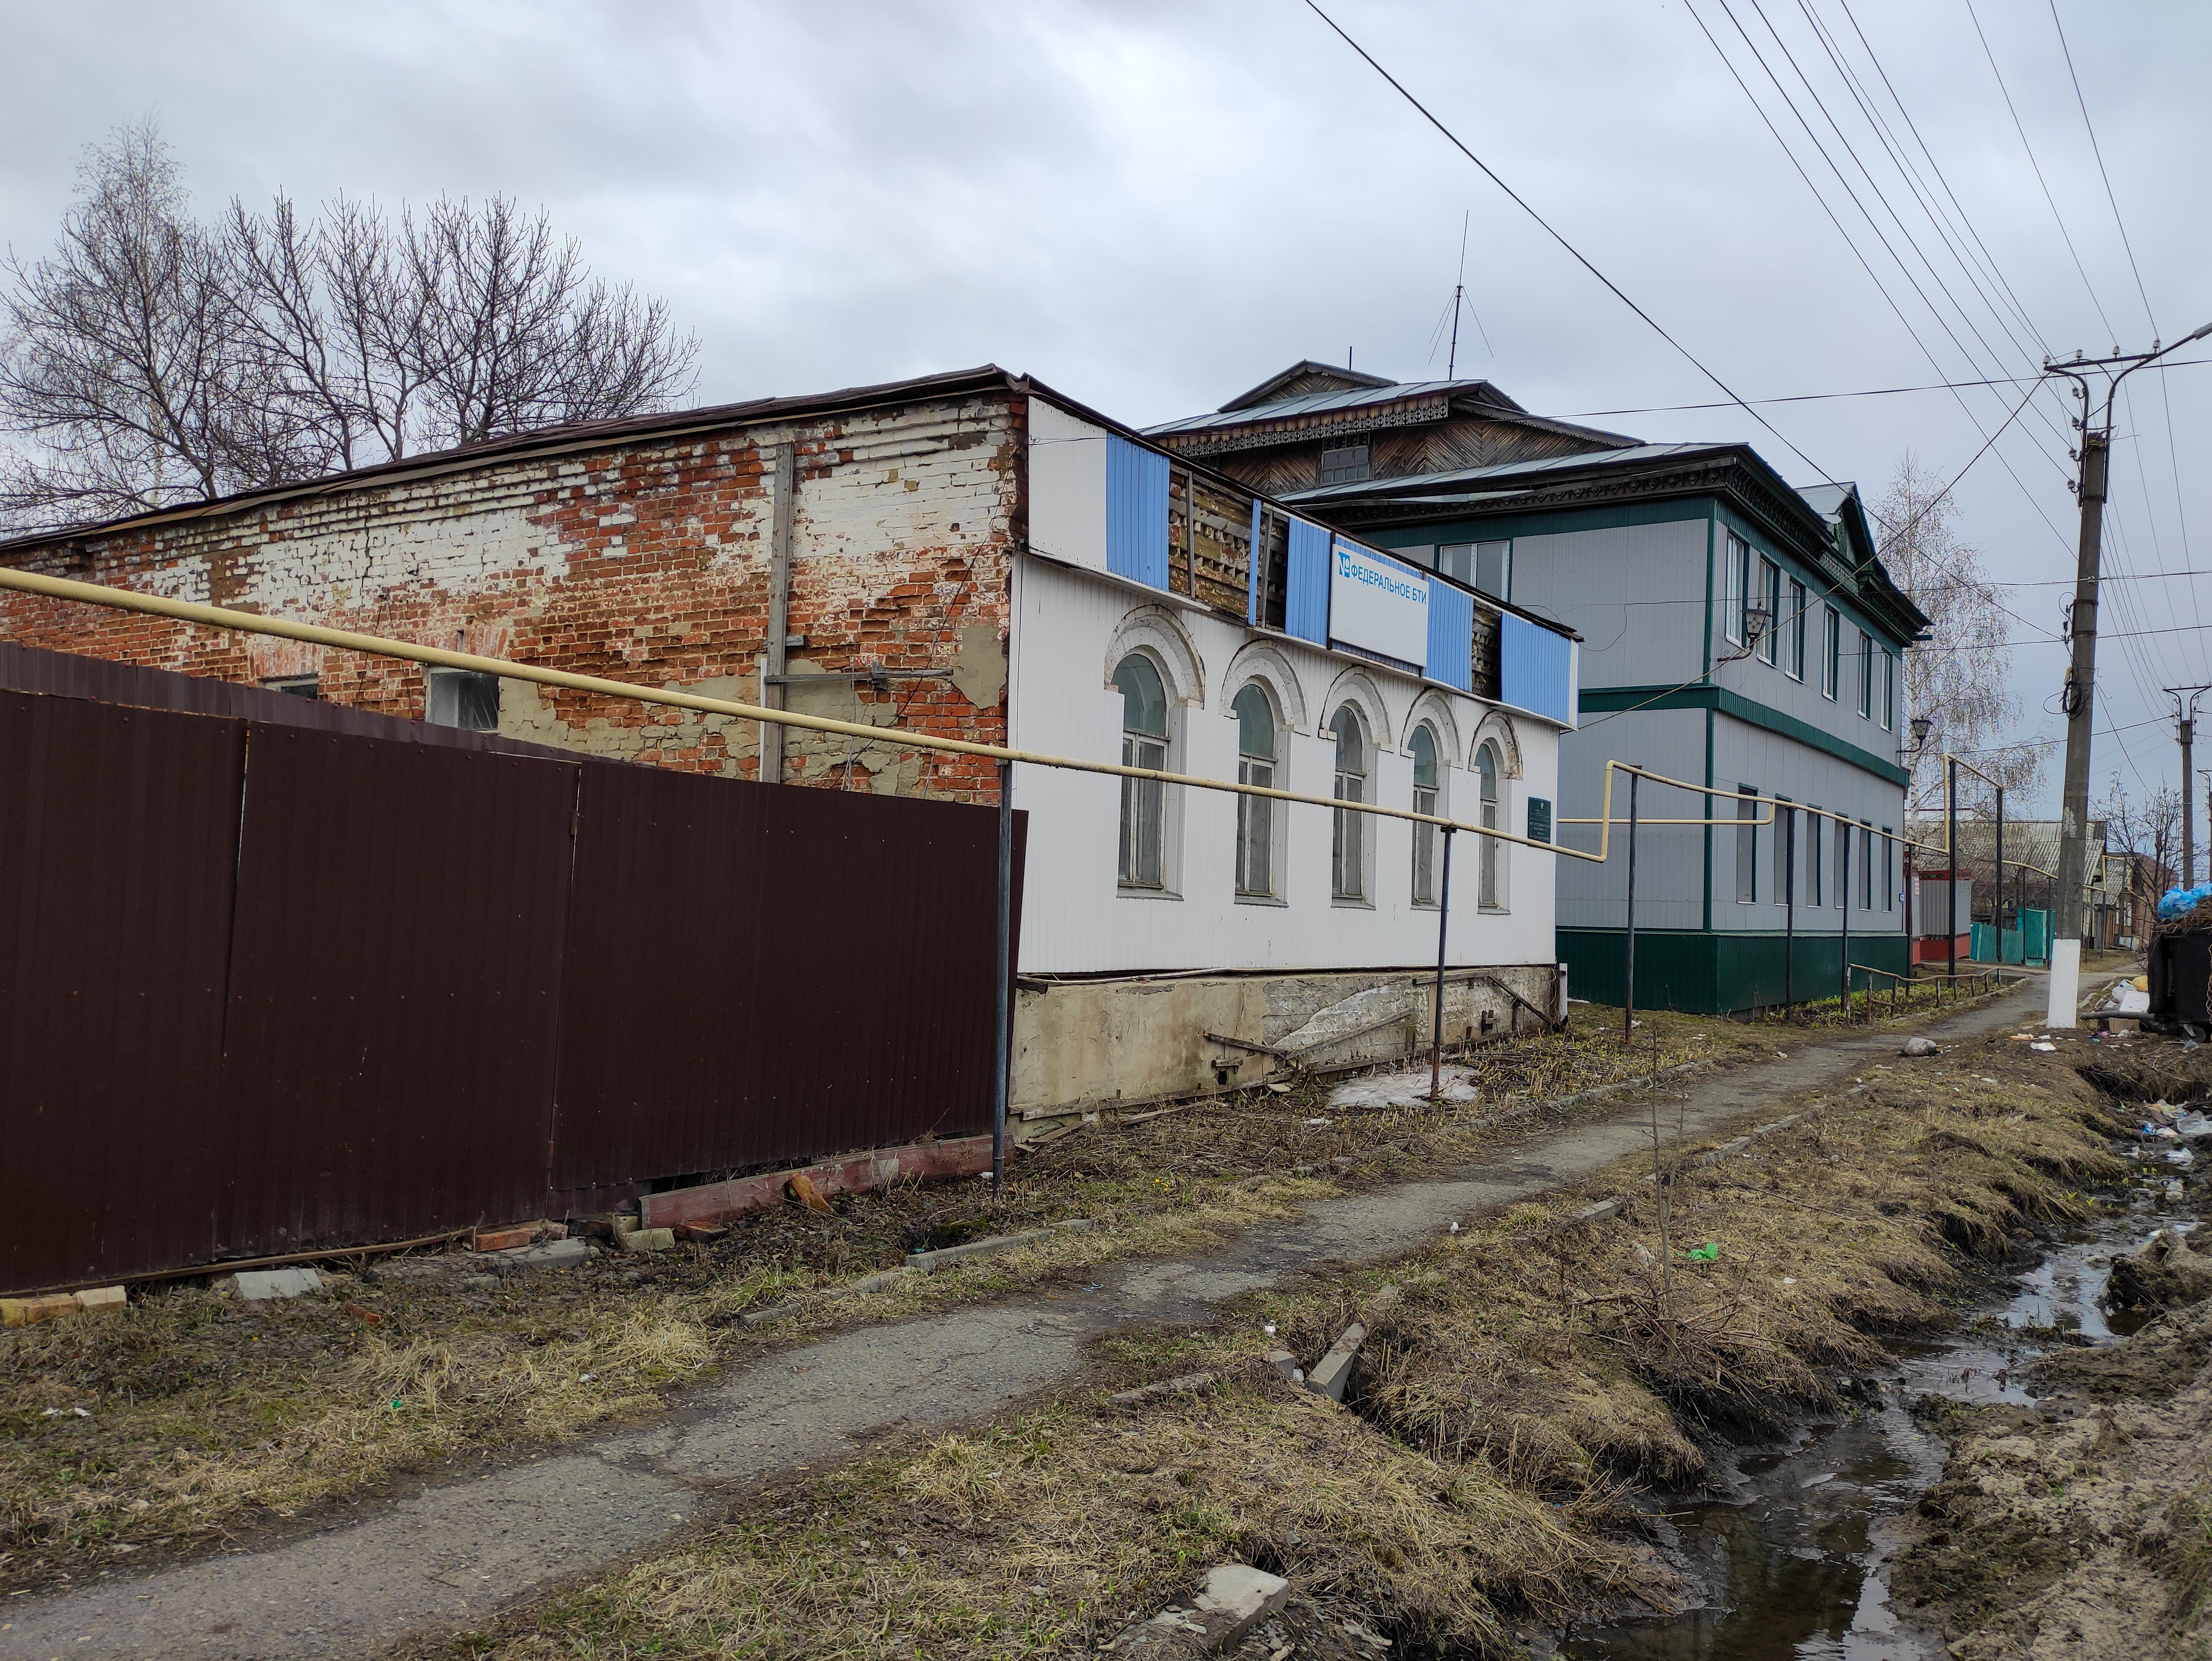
1794, 1556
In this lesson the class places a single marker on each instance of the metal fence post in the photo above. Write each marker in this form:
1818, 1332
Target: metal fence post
2001, 946
1790, 908
1628, 1012
1951, 835
1845, 839
1443, 923
1004, 1033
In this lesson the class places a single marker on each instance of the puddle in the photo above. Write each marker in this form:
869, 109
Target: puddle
1794, 1561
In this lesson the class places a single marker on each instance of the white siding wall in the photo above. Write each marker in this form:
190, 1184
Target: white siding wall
1636, 594
1744, 754
1068, 630
1670, 858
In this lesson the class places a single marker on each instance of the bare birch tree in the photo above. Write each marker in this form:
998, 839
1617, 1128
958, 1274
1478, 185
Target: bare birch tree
1958, 678
153, 360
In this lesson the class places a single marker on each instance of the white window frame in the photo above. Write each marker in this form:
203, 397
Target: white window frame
1154, 750
1799, 605
1735, 576
1831, 646
1427, 799
1866, 676
1491, 893
1770, 594
1350, 838
442, 687
1259, 811
1747, 846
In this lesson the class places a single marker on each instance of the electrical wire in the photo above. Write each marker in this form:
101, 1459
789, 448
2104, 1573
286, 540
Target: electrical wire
1816, 397
2058, 218
1578, 255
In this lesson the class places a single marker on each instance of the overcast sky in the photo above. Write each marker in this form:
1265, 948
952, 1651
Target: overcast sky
1153, 206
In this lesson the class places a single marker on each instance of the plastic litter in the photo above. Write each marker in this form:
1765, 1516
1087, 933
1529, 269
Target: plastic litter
1315, 1122
2193, 1125
1708, 1253
2046, 1048
2179, 902
2182, 1157
2165, 1131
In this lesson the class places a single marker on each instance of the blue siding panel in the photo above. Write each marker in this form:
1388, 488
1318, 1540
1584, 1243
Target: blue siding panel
1136, 512
1306, 615
1534, 668
1451, 636
1255, 565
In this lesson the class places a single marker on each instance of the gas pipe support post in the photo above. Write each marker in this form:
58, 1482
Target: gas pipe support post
1443, 924
1951, 837
1628, 1011
1789, 908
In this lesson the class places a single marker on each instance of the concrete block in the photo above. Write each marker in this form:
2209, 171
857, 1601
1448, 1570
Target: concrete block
762, 1316
553, 1254
102, 1298
650, 1239
257, 1286
1236, 1598
926, 1261
1334, 1370
1286, 1363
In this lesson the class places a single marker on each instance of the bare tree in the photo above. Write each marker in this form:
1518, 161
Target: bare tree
1958, 677
153, 361
2149, 830
122, 366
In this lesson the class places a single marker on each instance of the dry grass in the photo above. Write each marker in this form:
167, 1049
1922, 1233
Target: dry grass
210, 1416
1524, 1381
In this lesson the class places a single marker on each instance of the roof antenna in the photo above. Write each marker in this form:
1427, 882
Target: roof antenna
1459, 293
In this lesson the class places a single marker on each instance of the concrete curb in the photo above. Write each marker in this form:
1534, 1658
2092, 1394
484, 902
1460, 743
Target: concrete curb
928, 1261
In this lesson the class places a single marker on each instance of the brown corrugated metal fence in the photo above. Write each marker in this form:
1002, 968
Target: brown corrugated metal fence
266, 988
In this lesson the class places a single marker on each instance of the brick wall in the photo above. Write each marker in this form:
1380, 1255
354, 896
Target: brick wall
646, 562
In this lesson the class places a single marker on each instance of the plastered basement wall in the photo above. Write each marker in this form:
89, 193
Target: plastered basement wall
647, 563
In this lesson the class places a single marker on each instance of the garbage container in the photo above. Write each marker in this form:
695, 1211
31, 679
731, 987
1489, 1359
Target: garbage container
2181, 980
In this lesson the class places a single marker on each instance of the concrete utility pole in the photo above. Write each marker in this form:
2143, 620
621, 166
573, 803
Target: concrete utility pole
2184, 720
2078, 697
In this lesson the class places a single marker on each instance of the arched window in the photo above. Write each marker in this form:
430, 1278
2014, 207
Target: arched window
1349, 865
1256, 815
1424, 747
1144, 744
1489, 889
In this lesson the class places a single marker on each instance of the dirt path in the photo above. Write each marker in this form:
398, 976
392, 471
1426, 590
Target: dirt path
451, 1555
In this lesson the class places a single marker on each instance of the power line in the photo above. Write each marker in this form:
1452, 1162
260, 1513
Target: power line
1965, 218
1579, 258
2056, 215
1817, 397
2094, 150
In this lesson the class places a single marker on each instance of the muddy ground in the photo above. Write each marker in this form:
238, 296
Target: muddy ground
1534, 1395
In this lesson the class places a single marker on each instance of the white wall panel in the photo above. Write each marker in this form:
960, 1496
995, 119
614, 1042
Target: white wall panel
1075, 920
1635, 593
1067, 486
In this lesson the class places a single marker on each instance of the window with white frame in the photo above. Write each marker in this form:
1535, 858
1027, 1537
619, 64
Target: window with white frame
461, 697
299, 686
1888, 869
1144, 744
1889, 692
1785, 820
1816, 840
1831, 648
1866, 676
1256, 815
1348, 836
1424, 746
1489, 890
1866, 866
1769, 599
1736, 585
1793, 632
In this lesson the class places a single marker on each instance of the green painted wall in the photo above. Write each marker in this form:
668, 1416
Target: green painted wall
1706, 974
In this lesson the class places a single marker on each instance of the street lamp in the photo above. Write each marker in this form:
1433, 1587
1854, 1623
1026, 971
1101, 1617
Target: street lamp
1921, 726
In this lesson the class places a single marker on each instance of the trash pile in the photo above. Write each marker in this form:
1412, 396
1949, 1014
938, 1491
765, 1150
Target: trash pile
2192, 904
2167, 1130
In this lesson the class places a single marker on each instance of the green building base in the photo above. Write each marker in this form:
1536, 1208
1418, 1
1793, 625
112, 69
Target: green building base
1701, 973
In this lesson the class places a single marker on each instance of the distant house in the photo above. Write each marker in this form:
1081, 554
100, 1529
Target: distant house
1665, 559
2118, 902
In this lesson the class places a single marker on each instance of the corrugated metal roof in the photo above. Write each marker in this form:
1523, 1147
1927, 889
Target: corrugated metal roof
1506, 469
1319, 403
